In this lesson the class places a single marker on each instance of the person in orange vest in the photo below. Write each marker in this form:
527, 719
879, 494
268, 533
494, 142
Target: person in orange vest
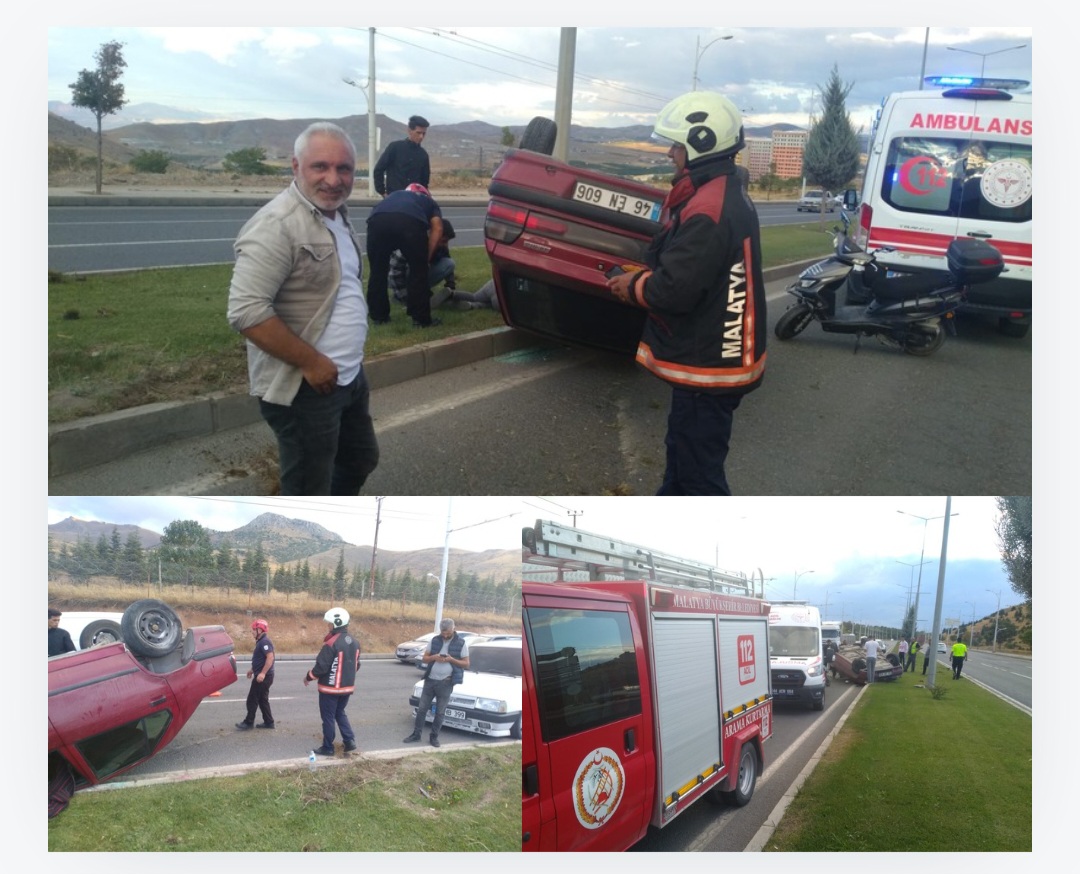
959, 652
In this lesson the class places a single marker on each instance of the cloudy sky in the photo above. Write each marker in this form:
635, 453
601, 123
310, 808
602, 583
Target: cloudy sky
847, 552
507, 75
405, 523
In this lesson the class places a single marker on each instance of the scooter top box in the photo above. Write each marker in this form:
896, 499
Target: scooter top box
973, 261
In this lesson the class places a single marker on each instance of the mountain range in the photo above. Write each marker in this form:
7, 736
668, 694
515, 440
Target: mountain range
287, 541
451, 146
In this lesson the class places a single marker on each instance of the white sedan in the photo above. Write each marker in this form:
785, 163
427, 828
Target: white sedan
488, 700
91, 629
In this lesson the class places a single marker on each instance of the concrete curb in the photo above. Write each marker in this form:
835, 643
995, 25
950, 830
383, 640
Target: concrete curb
772, 821
282, 764
85, 443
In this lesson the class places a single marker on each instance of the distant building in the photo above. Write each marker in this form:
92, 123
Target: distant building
757, 156
787, 152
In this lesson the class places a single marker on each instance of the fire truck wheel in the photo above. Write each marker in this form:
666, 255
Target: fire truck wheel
747, 779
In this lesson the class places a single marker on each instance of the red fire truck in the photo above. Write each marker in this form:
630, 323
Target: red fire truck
646, 681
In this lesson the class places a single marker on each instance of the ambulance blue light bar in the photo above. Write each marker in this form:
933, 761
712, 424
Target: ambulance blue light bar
976, 82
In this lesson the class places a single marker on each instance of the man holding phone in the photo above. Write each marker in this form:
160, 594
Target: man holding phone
446, 658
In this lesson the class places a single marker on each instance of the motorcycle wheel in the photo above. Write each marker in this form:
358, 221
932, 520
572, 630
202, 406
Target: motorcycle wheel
793, 322
924, 342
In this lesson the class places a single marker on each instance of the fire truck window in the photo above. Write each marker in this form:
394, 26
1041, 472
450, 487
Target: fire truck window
586, 669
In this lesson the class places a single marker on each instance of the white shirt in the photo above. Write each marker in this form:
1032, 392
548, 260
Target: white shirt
346, 331
871, 649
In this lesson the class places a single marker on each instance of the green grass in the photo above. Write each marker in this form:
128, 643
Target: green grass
121, 340
909, 772
471, 804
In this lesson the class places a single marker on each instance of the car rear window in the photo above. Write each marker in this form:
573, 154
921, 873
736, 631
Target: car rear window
959, 178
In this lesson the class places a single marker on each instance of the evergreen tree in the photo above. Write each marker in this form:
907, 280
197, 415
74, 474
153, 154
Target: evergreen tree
338, 591
132, 561
1014, 540
831, 157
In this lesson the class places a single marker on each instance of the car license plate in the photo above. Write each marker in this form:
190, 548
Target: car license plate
626, 204
455, 714
782, 692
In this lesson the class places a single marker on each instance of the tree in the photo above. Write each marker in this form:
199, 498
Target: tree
248, 162
507, 136
1014, 540
150, 161
831, 157
101, 91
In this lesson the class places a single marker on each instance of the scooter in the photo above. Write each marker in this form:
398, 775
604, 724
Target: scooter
849, 293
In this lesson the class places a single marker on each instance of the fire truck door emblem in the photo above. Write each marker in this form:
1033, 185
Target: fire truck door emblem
598, 787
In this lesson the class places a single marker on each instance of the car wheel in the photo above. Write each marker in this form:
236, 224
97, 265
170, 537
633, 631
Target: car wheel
97, 633
151, 628
747, 777
539, 135
818, 705
515, 729
893, 659
858, 665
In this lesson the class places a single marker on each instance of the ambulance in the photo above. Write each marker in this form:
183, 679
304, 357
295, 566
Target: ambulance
954, 163
795, 653
646, 689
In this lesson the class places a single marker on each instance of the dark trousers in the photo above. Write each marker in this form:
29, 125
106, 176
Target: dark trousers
910, 666
326, 443
259, 699
926, 661
332, 710
957, 666
699, 430
439, 692
385, 233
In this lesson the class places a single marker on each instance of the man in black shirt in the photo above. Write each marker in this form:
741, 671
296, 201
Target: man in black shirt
261, 676
404, 161
60, 641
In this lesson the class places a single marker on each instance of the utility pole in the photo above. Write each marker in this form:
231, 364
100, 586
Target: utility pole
369, 93
997, 612
375, 547
564, 92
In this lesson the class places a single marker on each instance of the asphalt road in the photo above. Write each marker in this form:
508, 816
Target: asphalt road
86, 239
379, 712
827, 421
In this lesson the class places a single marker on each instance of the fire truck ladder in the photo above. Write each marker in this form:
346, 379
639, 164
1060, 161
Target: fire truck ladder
551, 545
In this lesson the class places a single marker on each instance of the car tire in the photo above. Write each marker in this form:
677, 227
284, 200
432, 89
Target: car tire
515, 729
746, 779
100, 632
539, 136
151, 628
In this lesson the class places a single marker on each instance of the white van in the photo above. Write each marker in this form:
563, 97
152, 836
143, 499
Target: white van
955, 163
795, 658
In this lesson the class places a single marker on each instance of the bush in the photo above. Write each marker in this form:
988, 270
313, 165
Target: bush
248, 162
150, 161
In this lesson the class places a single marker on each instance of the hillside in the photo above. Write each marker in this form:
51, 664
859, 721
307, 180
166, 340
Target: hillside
287, 542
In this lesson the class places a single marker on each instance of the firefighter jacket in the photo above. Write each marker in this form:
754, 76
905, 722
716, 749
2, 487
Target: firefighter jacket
704, 289
337, 663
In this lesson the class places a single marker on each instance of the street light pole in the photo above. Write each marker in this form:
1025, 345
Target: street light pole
369, 93
700, 51
922, 555
797, 575
985, 55
997, 611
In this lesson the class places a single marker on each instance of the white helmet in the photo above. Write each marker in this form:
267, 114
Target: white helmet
706, 123
337, 616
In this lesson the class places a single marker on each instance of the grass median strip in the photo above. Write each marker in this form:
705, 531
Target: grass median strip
120, 340
450, 802
911, 772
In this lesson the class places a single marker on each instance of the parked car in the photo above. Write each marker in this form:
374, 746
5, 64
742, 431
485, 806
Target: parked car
406, 651
811, 201
91, 629
417, 658
553, 231
941, 647
114, 705
488, 700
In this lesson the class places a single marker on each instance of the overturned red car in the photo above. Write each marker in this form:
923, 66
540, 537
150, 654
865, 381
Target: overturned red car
116, 705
